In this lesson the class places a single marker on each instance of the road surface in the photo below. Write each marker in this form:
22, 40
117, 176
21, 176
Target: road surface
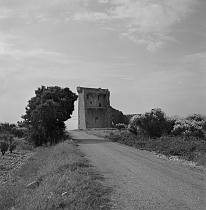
141, 180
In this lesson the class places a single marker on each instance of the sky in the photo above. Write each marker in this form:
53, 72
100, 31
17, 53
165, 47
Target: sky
148, 53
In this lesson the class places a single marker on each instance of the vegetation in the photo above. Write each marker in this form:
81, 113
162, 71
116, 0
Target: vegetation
189, 148
4, 146
12, 129
117, 117
154, 131
46, 113
7, 143
12, 147
65, 180
120, 126
193, 125
153, 123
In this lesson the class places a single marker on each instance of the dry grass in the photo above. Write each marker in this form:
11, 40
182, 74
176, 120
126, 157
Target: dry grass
65, 178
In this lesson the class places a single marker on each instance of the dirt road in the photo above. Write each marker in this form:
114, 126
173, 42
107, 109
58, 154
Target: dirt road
141, 180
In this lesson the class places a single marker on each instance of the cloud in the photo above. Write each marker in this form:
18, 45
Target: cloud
145, 22
5, 13
91, 16
9, 50
196, 62
150, 22
5, 43
39, 10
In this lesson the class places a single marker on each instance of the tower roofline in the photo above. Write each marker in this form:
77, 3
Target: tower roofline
79, 89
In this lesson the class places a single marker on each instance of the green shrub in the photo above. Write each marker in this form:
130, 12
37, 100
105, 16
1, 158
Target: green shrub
12, 147
114, 137
153, 123
120, 126
19, 132
4, 147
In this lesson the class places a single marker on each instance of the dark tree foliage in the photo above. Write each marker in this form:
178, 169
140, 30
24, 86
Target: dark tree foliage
4, 147
118, 117
6, 127
46, 113
153, 123
12, 147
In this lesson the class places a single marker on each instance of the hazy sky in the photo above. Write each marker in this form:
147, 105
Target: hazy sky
149, 53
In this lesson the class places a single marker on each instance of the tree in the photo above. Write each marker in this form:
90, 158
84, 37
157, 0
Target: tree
46, 113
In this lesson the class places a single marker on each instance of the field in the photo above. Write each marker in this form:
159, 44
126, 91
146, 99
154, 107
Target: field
56, 177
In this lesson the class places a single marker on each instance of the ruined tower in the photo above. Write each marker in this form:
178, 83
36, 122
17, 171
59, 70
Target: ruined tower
93, 108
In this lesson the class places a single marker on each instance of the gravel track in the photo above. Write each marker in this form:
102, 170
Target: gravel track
142, 180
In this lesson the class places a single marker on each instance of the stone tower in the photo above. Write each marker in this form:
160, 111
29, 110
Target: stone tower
93, 108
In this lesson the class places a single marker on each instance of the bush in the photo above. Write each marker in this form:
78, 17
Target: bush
114, 137
196, 117
126, 137
6, 127
12, 129
189, 127
8, 143
12, 147
153, 123
4, 147
120, 126
133, 126
19, 132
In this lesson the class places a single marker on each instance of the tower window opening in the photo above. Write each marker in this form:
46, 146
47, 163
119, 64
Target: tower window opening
100, 105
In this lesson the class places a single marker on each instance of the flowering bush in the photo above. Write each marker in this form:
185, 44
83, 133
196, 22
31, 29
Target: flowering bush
196, 117
133, 124
189, 127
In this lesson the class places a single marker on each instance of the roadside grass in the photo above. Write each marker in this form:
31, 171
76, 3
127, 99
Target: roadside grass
188, 148
64, 180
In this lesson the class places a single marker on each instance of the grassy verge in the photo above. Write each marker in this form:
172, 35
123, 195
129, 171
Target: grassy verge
190, 148
64, 180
